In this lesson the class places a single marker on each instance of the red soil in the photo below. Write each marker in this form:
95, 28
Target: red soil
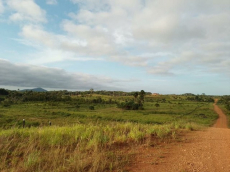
200, 151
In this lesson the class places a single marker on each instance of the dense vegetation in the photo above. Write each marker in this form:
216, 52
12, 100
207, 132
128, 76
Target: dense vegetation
226, 101
90, 130
62, 107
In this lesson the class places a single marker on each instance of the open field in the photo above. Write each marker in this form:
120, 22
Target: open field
72, 112
82, 138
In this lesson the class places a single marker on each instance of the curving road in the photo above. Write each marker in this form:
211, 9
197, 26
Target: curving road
201, 151
222, 120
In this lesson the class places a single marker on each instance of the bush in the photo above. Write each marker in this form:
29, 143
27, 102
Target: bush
2, 99
130, 105
157, 105
6, 103
91, 107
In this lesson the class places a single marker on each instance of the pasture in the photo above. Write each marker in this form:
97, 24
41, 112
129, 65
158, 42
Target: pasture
171, 108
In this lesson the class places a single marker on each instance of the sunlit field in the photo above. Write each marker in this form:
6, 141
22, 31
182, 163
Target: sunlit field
91, 132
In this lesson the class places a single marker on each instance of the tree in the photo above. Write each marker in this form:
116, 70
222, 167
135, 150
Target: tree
91, 91
3, 91
142, 96
135, 95
129, 105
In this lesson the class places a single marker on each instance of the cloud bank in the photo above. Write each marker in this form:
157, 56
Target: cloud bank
38, 76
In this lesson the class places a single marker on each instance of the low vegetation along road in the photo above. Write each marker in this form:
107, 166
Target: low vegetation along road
203, 151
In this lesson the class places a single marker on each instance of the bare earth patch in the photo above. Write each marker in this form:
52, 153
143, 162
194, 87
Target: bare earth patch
200, 151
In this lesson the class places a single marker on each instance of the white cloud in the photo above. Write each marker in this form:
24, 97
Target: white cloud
51, 2
96, 5
97, 40
26, 10
55, 55
160, 70
1, 7
36, 34
156, 35
131, 60
86, 45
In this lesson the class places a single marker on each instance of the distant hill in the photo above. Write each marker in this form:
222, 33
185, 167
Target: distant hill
35, 90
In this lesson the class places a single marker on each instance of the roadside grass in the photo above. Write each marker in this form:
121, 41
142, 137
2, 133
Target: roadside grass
81, 147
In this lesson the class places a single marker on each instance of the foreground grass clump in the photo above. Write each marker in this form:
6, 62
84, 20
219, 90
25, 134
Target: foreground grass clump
83, 147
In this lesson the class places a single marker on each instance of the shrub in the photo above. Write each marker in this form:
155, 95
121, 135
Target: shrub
130, 105
91, 107
157, 105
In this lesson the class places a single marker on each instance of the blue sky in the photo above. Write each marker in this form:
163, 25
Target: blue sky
159, 46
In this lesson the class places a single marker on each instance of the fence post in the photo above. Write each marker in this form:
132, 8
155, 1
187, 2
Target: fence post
23, 123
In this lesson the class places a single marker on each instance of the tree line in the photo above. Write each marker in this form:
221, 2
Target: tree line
226, 101
123, 100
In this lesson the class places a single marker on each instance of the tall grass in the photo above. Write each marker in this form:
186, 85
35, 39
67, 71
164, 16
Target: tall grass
82, 147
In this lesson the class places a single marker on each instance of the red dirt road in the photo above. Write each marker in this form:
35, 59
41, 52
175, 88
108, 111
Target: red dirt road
222, 120
200, 151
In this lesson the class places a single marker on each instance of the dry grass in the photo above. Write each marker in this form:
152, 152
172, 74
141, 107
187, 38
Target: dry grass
83, 147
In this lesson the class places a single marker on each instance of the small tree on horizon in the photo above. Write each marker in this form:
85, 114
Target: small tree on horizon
135, 95
142, 96
91, 90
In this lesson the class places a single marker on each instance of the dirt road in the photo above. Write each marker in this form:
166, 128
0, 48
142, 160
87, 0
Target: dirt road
201, 151
222, 120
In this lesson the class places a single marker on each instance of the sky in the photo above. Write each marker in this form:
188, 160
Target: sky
160, 46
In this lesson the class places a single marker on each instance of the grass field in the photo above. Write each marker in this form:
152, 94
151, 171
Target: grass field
82, 139
68, 113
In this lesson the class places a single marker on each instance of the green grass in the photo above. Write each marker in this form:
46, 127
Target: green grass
60, 113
